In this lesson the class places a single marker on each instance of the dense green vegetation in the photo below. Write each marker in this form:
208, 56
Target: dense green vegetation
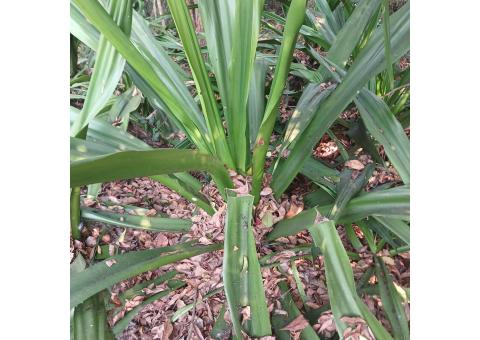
222, 88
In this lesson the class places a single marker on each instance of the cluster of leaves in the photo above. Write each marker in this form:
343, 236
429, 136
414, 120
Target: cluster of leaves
228, 122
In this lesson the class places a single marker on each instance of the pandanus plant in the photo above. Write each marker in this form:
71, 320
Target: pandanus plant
356, 46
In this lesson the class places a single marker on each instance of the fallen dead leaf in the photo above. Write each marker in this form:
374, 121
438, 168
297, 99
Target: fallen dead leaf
266, 191
388, 260
110, 262
167, 329
89, 202
354, 164
294, 210
297, 324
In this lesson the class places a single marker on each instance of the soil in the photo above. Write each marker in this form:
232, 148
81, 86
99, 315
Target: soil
203, 273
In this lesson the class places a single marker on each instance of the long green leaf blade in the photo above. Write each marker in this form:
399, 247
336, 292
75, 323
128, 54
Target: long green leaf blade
186, 31
369, 62
129, 164
101, 276
295, 17
241, 269
122, 324
137, 222
391, 301
100, 132
90, 320
340, 283
143, 63
393, 203
108, 67
244, 43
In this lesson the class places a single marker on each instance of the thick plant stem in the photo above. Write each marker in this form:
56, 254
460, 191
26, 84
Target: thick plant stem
295, 17
75, 212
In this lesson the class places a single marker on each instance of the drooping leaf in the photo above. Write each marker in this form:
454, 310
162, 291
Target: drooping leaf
151, 223
368, 63
393, 203
100, 132
293, 313
340, 283
391, 301
130, 164
122, 324
121, 267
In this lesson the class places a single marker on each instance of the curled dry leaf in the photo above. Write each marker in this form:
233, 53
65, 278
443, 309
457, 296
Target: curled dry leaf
246, 313
357, 329
90, 241
354, 164
327, 324
89, 202
388, 260
110, 262
297, 324
266, 191
167, 329
294, 210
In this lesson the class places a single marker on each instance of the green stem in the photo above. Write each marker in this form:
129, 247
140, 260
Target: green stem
75, 212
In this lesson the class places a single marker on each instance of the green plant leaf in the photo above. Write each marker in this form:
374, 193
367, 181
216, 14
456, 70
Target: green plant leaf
108, 67
122, 324
396, 227
342, 46
340, 283
383, 126
90, 320
387, 130
369, 62
308, 333
391, 301
256, 98
245, 29
130, 164
295, 17
151, 223
100, 132
393, 203
241, 270
312, 97
388, 49
149, 70
347, 188
186, 31
101, 276
217, 19
82, 29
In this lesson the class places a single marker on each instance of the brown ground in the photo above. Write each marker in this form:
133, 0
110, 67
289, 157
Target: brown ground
204, 273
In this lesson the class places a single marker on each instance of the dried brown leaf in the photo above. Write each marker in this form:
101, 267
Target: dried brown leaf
297, 324
354, 164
